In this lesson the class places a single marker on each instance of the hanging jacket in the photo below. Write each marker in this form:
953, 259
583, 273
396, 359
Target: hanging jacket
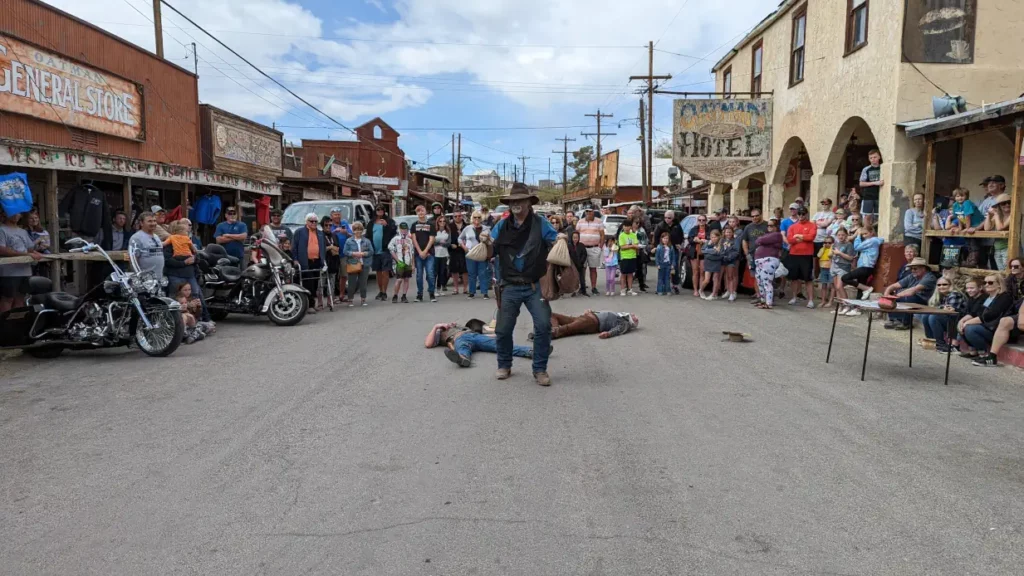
174, 215
86, 208
207, 209
263, 210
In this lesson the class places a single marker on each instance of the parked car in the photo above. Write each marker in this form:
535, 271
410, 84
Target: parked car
352, 209
612, 222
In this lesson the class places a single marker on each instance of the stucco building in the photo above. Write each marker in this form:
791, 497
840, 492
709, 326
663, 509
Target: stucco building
845, 75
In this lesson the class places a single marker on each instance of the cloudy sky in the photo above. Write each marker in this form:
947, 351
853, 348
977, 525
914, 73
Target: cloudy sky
433, 67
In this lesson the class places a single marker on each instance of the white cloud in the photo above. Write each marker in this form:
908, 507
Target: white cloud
353, 79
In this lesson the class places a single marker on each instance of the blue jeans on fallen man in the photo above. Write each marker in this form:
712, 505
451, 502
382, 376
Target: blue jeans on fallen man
471, 342
906, 319
513, 297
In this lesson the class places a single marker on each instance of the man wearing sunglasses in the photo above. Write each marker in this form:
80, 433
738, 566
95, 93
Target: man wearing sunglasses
916, 288
232, 234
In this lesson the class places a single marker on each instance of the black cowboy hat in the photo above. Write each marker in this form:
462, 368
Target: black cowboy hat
520, 192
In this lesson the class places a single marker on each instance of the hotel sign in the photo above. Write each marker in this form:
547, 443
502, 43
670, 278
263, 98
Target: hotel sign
51, 87
722, 140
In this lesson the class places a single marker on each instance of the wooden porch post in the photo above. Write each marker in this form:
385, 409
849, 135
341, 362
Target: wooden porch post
1015, 193
184, 200
929, 198
53, 226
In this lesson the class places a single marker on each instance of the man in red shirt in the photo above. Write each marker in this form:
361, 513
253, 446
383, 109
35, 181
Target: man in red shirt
801, 255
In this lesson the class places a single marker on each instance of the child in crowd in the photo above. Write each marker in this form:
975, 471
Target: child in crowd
868, 246
190, 309
179, 240
665, 257
731, 260
401, 249
964, 211
629, 245
712, 251
843, 256
825, 272
579, 259
611, 265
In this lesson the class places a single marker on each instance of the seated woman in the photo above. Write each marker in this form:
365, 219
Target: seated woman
1009, 330
461, 341
937, 326
979, 330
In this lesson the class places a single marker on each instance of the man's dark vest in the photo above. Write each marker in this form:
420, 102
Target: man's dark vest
534, 251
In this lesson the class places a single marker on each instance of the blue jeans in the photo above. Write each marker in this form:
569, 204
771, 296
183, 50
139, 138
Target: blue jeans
979, 337
479, 275
906, 319
471, 342
513, 297
425, 265
939, 328
172, 290
664, 278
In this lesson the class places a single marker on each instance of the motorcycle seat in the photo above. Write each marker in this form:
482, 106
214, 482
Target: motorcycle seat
230, 273
59, 301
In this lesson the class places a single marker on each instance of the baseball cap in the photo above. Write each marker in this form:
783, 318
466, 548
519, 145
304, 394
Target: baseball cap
336, 210
998, 179
826, 201
156, 208
794, 206
276, 212
986, 180
403, 225
800, 200
801, 211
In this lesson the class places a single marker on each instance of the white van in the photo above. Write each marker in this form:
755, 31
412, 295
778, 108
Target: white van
353, 210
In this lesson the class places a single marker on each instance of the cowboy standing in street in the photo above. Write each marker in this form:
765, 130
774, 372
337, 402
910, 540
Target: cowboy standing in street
520, 244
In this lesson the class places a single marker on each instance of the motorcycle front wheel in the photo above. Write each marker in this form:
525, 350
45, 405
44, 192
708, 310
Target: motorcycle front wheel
165, 336
288, 309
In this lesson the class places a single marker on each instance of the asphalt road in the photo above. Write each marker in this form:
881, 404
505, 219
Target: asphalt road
342, 446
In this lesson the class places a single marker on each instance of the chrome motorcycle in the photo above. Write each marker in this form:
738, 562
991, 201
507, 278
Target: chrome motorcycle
128, 308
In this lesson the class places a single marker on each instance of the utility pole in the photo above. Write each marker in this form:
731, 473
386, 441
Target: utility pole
549, 169
565, 161
643, 154
158, 28
650, 78
458, 178
524, 159
453, 161
195, 59
598, 135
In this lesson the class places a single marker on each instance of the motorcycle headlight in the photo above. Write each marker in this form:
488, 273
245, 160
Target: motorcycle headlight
146, 282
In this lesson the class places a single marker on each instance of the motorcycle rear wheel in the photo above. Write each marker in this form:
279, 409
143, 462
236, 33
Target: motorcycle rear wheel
288, 309
165, 336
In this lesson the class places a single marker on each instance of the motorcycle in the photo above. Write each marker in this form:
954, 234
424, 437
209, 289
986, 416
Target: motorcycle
265, 287
128, 307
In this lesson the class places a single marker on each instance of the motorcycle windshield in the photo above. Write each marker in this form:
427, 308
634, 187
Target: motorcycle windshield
275, 255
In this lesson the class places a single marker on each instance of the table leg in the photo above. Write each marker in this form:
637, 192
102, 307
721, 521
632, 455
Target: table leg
832, 337
867, 341
911, 341
949, 349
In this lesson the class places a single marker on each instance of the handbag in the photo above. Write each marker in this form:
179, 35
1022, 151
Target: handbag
478, 253
887, 303
356, 268
781, 271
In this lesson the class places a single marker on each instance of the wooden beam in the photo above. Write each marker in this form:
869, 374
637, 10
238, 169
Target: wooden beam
53, 224
1015, 193
66, 257
184, 200
978, 234
126, 199
929, 196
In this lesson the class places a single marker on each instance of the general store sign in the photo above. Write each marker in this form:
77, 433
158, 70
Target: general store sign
51, 87
32, 156
722, 140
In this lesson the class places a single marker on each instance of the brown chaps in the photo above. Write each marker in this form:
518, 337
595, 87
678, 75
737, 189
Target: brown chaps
562, 325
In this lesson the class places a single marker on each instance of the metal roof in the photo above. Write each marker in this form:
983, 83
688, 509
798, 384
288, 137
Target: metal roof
927, 126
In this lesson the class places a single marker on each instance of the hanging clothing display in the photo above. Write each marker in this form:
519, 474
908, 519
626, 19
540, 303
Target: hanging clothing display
263, 210
86, 208
15, 195
174, 215
206, 210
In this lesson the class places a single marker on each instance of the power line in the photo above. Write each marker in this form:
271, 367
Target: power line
477, 128
394, 41
269, 77
672, 21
